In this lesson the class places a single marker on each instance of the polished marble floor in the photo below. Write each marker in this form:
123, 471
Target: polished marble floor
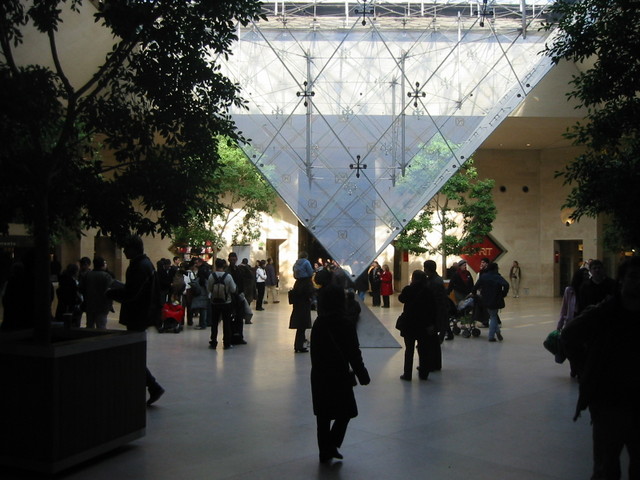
496, 411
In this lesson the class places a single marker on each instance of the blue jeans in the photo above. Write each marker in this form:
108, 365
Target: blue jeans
493, 322
203, 315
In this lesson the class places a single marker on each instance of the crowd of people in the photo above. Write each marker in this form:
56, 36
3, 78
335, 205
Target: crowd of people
595, 311
596, 316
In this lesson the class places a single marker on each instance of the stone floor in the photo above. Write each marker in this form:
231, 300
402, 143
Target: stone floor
495, 411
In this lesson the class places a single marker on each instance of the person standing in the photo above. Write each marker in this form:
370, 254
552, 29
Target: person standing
261, 278
200, 303
362, 285
461, 282
70, 299
222, 288
302, 269
271, 283
419, 315
95, 286
300, 297
238, 300
492, 287
608, 386
191, 270
441, 313
515, 274
386, 285
374, 273
597, 288
568, 312
141, 300
335, 361
249, 280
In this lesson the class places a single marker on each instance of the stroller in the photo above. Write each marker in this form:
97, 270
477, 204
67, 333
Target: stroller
462, 321
172, 318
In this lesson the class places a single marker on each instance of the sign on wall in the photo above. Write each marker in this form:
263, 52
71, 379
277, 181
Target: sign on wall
488, 248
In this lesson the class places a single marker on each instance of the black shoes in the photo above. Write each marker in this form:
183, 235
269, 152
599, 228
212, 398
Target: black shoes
406, 378
300, 350
326, 457
154, 394
499, 336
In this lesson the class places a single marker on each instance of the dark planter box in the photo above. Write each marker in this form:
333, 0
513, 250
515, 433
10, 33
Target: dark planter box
67, 402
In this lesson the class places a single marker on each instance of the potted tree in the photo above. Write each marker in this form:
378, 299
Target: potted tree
124, 145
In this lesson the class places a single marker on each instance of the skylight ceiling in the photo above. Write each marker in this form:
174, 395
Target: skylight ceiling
358, 113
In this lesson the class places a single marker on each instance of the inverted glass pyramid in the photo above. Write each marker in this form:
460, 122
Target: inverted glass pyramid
358, 113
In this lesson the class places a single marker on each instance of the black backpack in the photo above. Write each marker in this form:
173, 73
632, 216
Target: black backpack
219, 293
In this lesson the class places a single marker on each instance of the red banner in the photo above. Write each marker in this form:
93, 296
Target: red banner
488, 248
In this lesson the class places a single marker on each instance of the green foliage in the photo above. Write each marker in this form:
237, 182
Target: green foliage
240, 194
605, 178
157, 103
462, 213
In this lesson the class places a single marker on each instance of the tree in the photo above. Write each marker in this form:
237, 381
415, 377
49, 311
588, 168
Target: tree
461, 213
131, 148
603, 36
241, 195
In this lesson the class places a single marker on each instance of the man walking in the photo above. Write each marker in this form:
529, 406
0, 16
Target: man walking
140, 299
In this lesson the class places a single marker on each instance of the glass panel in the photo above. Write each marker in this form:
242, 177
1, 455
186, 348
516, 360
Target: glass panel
358, 126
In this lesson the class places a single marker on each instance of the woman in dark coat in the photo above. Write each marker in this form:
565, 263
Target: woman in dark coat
374, 273
418, 323
334, 351
300, 297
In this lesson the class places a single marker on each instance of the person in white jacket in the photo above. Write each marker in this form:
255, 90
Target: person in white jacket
261, 278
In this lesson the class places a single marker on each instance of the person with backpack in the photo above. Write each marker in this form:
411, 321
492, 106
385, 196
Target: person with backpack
221, 288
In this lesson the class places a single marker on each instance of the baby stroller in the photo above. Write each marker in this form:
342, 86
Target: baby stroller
464, 316
172, 318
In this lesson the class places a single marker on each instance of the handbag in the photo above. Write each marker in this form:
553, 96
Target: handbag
553, 345
401, 322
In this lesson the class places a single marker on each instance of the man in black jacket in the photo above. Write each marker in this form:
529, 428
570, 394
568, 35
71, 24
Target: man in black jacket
141, 300
608, 383
492, 288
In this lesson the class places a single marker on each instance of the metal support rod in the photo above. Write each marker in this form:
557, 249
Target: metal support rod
523, 8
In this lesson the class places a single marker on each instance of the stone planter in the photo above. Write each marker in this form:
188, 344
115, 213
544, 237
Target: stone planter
69, 401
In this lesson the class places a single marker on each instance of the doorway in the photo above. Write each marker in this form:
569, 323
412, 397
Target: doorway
273, 252
568, 255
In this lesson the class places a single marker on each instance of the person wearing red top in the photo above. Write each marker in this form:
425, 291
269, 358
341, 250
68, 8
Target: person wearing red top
386, 285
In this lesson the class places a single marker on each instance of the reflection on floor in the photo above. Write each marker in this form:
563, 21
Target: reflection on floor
496, 411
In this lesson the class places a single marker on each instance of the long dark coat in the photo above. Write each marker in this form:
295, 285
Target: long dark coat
335, 348
140, 295
419, 311
300, 297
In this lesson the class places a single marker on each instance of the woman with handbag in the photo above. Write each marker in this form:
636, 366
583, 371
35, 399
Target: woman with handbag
417, 323
336, 361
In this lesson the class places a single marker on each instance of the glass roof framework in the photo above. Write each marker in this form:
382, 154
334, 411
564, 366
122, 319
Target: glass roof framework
359, 113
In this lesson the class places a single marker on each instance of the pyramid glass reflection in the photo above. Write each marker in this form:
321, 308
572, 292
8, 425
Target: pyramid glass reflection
358, 113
